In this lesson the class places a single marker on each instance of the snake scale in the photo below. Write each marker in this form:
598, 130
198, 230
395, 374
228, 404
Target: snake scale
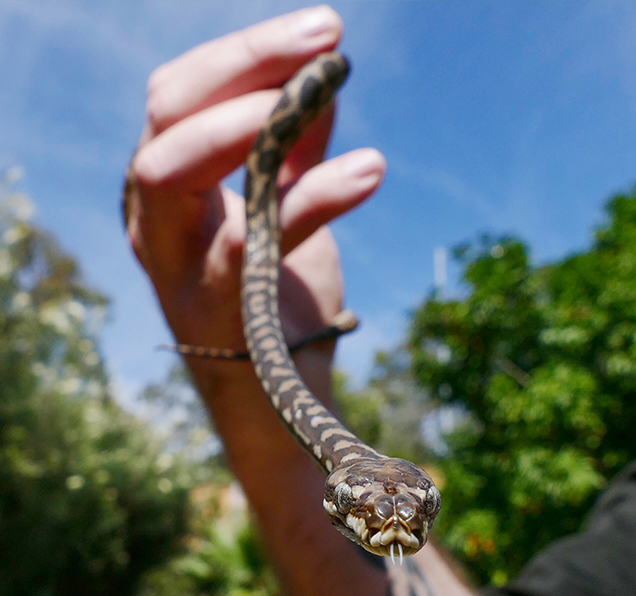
386, 505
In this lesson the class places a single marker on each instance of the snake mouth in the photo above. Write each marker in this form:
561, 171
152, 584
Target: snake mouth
393, 539
387, 506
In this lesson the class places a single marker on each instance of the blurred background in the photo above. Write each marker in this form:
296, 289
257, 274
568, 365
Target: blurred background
494, 273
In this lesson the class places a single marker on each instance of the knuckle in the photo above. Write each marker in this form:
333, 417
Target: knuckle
155, 104
249, 44
234, 240
146, 169
139, 172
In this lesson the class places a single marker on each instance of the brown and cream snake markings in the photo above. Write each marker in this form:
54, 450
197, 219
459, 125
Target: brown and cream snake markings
386, 505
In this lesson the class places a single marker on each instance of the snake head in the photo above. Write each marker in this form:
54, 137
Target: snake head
386, 505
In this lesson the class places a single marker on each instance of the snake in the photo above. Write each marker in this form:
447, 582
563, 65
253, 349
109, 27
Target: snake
386, 505
344, 322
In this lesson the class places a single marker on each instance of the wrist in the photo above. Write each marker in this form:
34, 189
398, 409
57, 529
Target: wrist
216, 377
259, 449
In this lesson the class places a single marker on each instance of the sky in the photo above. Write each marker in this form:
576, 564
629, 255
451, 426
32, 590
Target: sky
495, 117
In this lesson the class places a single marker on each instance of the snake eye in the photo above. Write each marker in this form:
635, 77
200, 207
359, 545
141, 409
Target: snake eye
433, 502
343, 497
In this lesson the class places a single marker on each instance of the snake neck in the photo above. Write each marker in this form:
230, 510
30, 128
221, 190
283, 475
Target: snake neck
315, 427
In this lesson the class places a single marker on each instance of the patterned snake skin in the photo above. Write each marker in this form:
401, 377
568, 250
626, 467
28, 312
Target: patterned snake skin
386, 505
344, 322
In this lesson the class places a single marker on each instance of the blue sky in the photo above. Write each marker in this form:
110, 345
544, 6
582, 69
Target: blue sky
501, 117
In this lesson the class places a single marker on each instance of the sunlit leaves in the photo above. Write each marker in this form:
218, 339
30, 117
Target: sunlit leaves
389, 413
544, 360
88, 500
225, 556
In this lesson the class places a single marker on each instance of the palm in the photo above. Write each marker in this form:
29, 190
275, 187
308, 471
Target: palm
206, 310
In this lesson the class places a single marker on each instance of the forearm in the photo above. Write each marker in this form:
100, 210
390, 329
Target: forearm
282, 484
433, 572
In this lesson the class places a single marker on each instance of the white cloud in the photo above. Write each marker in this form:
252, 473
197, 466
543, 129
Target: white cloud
453, 187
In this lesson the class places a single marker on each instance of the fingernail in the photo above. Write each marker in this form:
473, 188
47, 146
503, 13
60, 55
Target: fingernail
316, 21
362, 163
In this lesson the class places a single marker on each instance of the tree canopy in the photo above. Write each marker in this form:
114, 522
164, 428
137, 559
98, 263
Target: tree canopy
89, 496
541, 360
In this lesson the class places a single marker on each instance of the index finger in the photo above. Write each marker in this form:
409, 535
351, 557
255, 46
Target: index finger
259, 57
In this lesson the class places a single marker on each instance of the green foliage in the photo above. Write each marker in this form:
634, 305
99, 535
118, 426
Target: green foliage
227, 559
542, 360
174, 405
92, 499
362, 411
89, 497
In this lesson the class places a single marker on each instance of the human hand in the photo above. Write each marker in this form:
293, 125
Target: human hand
205, 109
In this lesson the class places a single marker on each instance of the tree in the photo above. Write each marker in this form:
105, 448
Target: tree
225, 555
174, 405
542, 361
89, 496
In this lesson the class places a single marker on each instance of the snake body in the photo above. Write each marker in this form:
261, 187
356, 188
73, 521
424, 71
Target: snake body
384, 504
344, 322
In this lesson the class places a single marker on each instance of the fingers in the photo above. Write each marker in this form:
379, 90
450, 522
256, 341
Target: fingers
205, 110
210, 104
259, 57
327, 191
197, 152
178, 167
200, 150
